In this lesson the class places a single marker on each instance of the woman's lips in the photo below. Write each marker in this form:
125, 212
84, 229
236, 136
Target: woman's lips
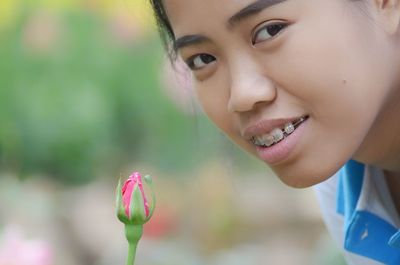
282, 149
266, 126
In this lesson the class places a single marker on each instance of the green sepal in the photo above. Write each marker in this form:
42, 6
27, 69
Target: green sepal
120, 209
137, 210
148, 180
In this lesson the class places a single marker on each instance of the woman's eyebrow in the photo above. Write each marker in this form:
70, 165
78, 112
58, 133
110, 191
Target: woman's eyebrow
244, 13
250, 10
188, 40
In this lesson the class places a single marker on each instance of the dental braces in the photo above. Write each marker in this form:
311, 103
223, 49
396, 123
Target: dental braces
279, 134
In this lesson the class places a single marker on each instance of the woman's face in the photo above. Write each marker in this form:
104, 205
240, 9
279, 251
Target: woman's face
262, 66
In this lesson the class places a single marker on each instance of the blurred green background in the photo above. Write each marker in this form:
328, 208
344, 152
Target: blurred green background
86, 95
80, 94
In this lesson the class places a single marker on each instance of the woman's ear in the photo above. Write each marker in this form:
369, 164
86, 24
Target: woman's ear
388, 14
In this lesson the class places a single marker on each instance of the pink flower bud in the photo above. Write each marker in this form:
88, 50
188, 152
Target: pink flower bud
132, 204
134, 180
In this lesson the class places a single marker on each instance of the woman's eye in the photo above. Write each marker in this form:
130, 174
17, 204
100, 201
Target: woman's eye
267, 31
199, 61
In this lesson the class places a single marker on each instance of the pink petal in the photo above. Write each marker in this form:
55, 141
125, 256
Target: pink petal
127, 189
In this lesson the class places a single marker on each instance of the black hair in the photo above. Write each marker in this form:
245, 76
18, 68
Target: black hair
164, 27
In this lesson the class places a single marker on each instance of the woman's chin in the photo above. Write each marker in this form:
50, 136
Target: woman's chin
304, 177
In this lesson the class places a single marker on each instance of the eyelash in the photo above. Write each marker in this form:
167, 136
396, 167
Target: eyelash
279, 26
191, 61
269, 26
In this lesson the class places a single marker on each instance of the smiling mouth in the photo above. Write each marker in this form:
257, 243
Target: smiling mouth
278, 134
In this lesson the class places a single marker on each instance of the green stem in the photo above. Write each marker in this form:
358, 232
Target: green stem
133, 234
131, 254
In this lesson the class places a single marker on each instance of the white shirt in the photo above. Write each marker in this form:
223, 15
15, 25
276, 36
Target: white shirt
360, 215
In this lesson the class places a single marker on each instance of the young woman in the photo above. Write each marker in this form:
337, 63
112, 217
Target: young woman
311, 87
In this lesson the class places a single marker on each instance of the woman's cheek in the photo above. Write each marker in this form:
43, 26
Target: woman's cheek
213, 96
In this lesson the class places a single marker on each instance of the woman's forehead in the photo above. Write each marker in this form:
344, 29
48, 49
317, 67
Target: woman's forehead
187, 12
180, 9
184, 14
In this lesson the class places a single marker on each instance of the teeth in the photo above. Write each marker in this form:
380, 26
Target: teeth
257, 141
274, 136
268, 139
289, 128
264, 140
277, 134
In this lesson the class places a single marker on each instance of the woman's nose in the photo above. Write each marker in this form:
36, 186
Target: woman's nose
249, 88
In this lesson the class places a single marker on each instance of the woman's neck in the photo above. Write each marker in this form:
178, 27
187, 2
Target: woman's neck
382, 146
393, 183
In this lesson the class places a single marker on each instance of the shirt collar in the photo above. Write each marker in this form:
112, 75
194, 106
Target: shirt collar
369, 228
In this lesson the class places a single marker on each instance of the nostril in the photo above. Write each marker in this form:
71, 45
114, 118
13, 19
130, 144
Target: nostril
251, 97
